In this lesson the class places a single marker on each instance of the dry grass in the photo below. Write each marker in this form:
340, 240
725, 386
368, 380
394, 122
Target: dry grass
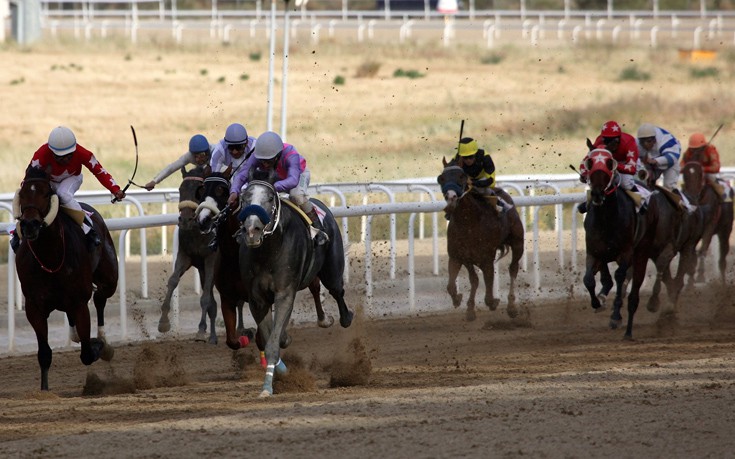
532, 109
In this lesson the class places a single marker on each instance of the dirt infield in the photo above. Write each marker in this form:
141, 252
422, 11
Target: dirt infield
555, 384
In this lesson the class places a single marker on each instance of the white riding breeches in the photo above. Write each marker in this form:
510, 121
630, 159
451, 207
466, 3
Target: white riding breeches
66, 189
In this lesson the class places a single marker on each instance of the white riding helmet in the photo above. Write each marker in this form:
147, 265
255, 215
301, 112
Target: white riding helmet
268, 145
646, 130
62, 141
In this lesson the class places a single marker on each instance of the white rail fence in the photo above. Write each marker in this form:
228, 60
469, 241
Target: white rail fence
524, 188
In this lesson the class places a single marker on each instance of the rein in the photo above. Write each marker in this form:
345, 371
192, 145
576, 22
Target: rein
254, 209
63, 251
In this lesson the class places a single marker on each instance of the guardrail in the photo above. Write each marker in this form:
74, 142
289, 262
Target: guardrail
411, 208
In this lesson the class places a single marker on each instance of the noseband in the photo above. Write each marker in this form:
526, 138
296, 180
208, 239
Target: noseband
253, 209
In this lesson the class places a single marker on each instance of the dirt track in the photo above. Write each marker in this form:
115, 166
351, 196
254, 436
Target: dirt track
556, 384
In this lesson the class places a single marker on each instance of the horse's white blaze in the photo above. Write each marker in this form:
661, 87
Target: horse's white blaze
258, 196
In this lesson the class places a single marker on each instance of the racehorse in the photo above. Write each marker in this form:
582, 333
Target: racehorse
214, 216
277, 259
719, 218
476, 235
58, 272
678, 232
194, 251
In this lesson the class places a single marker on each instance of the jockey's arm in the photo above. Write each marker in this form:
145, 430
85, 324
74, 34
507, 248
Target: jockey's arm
186, 158
292, 174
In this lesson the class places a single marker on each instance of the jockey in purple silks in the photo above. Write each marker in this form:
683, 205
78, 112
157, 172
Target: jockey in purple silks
292, 176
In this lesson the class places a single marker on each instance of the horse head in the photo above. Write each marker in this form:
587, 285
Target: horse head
453, 182
602, 177
693, 176
215, 192
190, 195
261, 211
35, 205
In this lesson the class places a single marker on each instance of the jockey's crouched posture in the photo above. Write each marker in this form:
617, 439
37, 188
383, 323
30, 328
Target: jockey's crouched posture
625, 151
658, 148
480, 168
65, 158
291, 172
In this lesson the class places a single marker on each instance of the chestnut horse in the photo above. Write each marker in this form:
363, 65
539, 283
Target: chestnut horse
719, 215
476, 236
58, 272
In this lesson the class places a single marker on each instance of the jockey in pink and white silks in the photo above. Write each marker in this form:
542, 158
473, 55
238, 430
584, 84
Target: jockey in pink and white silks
291, 172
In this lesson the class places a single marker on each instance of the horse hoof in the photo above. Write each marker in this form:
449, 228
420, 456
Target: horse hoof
512, 311
493, 304
346, 321
201, 337
286, 341
264, 393
627, 338
614, 324
457, 300
164, 327
326, 323
652, 305
602, 299
470, 315
213, 340
107, 352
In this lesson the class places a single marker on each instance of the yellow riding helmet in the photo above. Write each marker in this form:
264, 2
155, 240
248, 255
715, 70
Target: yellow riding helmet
467, 147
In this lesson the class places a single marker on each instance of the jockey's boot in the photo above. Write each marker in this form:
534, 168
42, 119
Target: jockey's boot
582, 207
684, 204
14, 242
504, 206
93, 239
317, 230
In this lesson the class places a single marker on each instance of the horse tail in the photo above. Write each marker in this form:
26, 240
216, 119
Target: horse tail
504, 250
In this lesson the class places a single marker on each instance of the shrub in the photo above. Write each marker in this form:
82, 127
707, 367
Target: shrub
367, 69
339, 80
705, 72
631, 73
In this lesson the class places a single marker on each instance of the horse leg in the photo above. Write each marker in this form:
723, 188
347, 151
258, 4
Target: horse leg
40, 326
233, 339
488, 276
240, 318
323, 320
639, 272
474, 283
606, 281
100, 297
517, 252
207, 301
724, 237
620, 274
282, 307
183, 263
703, 249
91, 348
589, 280
454, 266
73, 335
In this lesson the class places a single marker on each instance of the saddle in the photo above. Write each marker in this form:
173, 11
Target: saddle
637, 198
674, 198
489, 198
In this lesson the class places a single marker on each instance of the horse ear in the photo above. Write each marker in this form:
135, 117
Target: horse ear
590, 145
228, 172
207, 170
444, 161
183, 171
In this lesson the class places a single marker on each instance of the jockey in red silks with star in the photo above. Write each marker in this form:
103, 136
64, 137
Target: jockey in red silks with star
625, 151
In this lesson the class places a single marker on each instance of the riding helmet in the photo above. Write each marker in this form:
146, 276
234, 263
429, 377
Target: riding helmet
198, 144
62, 141
268, 145
646, 130
610, 129
236, 134
697, 140
467, 146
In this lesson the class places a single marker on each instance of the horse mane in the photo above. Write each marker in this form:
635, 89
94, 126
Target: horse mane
33, 172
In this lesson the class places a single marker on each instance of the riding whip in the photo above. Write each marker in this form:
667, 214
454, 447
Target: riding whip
715, 134
135, 169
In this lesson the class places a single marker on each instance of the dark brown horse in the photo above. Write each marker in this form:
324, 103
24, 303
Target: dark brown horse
476, 236
194, 251
214, 216
57, 272
718, 218
678, 232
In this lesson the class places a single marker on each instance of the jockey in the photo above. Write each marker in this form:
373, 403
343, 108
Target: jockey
705, 154
232, 151
480, 168
292, 176
625, 151
65, 158
199, 154
659, 149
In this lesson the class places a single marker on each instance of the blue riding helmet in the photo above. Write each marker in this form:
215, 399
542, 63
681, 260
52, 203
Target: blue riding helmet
198, 144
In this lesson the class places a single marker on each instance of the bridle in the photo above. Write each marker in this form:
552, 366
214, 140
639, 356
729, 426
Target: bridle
254, 209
